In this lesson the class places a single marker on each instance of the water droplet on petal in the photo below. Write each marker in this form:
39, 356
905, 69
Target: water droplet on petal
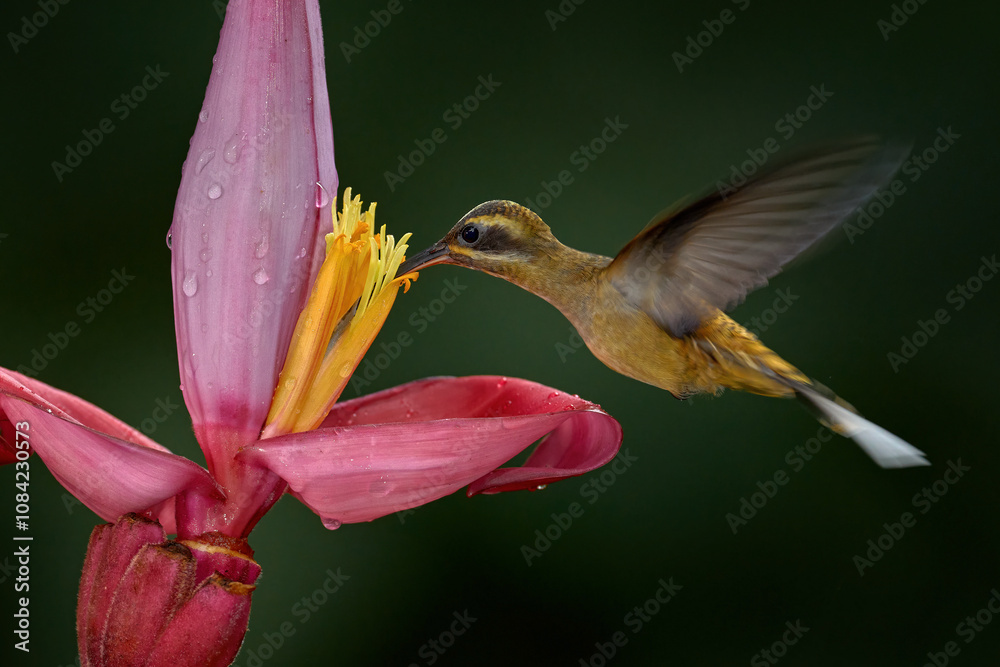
322, 196
214, 191
553, 395
208, 273
170, 239
205, 254
501, 382
190, 285
302, 253
203, 159
261, 250
233, 148
540, 487
203, 116
204, 237
332, 524
260, 276
380, 487
186, 362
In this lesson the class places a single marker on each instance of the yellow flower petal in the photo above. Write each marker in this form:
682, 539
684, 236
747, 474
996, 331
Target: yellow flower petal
353, 293
343, 358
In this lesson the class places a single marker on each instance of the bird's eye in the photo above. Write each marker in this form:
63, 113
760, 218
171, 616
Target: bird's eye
470, 234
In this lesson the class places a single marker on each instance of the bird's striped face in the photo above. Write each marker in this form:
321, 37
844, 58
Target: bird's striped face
496, 237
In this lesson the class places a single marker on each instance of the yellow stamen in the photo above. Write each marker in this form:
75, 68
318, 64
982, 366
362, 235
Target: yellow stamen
353, 293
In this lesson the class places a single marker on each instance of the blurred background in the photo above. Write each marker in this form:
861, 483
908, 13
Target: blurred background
695, 90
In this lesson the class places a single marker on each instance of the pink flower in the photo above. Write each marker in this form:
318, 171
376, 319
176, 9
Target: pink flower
147, 601
275, 302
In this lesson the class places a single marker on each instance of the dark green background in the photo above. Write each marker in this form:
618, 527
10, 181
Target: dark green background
663, 518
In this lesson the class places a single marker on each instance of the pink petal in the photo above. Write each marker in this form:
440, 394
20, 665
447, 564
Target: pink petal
66, 405
573, 448
9, 441
145, 601
246, 229
156, 583
110, 476
111, 549
213, 559
407, 446
208, 630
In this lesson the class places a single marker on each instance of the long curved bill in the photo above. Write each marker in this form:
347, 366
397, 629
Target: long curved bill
436, 254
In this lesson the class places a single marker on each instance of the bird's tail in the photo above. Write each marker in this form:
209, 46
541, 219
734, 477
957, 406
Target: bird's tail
741, 361
888, 450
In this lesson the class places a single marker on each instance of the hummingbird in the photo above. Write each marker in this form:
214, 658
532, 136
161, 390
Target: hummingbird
656, 311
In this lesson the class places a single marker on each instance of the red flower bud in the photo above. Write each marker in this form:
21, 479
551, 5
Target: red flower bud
147, 601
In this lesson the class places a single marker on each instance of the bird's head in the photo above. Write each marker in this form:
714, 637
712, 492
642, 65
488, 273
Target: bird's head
499, 237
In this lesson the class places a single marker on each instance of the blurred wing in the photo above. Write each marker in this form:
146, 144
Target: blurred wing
712, 253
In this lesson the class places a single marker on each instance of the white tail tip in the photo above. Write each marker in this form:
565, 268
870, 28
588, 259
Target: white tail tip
887, 450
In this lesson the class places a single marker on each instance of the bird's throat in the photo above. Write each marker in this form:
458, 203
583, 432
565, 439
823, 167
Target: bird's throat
564, 277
